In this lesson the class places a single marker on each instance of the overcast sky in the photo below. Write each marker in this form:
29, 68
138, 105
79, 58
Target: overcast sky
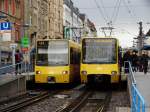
125, 14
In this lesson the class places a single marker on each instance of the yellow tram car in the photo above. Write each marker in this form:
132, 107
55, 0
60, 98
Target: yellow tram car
57, 61
100, 60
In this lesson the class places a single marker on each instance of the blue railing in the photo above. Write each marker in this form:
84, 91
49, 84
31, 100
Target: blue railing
137, 102
16, 69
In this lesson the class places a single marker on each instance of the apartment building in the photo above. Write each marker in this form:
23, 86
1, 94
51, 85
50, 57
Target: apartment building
11, 11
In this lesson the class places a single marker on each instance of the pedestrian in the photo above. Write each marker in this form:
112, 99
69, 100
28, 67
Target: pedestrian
126, 57
144, 61
134, 59
138, 67
18, 60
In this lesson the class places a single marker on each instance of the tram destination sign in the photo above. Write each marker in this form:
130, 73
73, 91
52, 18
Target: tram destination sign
42, 43
99, 40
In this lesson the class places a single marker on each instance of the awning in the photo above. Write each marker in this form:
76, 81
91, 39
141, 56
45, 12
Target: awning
146, 47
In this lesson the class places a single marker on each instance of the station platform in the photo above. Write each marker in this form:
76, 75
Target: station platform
143, 86
12, 85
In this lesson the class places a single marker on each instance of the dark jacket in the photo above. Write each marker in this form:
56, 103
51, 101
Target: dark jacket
144, 59
134, 60
18, 57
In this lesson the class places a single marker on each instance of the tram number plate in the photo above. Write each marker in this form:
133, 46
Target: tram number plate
51, 79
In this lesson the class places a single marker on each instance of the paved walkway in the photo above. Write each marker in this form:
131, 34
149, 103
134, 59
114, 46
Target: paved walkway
143, 85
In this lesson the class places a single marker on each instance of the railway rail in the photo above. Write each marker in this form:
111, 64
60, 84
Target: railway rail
85, 101
27, 101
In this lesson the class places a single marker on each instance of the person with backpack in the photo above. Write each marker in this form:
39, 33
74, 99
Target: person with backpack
18, 60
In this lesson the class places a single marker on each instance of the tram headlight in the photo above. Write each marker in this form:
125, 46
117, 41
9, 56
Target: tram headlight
65, 72
113, 73
84, 72
38, 72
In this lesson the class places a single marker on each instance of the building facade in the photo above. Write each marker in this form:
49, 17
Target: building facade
45, 19
76, 25
72, 22
55, 18
89, 29
11, 11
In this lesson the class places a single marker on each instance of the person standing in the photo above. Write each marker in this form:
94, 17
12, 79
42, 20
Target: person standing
144, 60
134, 61
18, 60
126, 57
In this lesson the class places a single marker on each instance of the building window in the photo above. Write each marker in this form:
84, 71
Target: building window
30, 3
2, 5
30, 20
6, 6
9, 7
17, 5
13, 7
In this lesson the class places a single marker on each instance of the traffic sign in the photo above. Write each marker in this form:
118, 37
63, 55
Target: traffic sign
5, 26
5, 31
25, 41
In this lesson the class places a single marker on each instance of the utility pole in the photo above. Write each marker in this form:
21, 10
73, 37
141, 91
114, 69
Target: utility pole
140, 38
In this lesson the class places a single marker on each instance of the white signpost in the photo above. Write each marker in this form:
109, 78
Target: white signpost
13, 47
5, 31
5, 36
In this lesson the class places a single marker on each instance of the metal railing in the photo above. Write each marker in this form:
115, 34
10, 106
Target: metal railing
137, 102
16, 69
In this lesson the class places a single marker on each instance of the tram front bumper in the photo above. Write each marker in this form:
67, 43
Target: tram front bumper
99, 78
52, 78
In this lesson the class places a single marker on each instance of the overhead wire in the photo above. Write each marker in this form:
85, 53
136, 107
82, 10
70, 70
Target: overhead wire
101, 12
115, 13
112, 19
105, 12
129, 10
115, 16
133, 11
122, 6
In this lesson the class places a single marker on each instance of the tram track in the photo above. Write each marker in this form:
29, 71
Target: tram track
85, 101
27, 101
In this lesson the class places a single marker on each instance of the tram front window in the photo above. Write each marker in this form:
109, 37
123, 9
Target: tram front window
54, 54
99, 52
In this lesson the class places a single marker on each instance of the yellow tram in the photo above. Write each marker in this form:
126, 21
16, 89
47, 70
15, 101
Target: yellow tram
57, 61
100, 60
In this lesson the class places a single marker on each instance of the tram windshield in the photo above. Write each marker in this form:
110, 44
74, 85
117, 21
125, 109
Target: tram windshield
53, 53
99, 51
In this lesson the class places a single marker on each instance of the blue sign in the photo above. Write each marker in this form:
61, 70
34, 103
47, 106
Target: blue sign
5, 26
